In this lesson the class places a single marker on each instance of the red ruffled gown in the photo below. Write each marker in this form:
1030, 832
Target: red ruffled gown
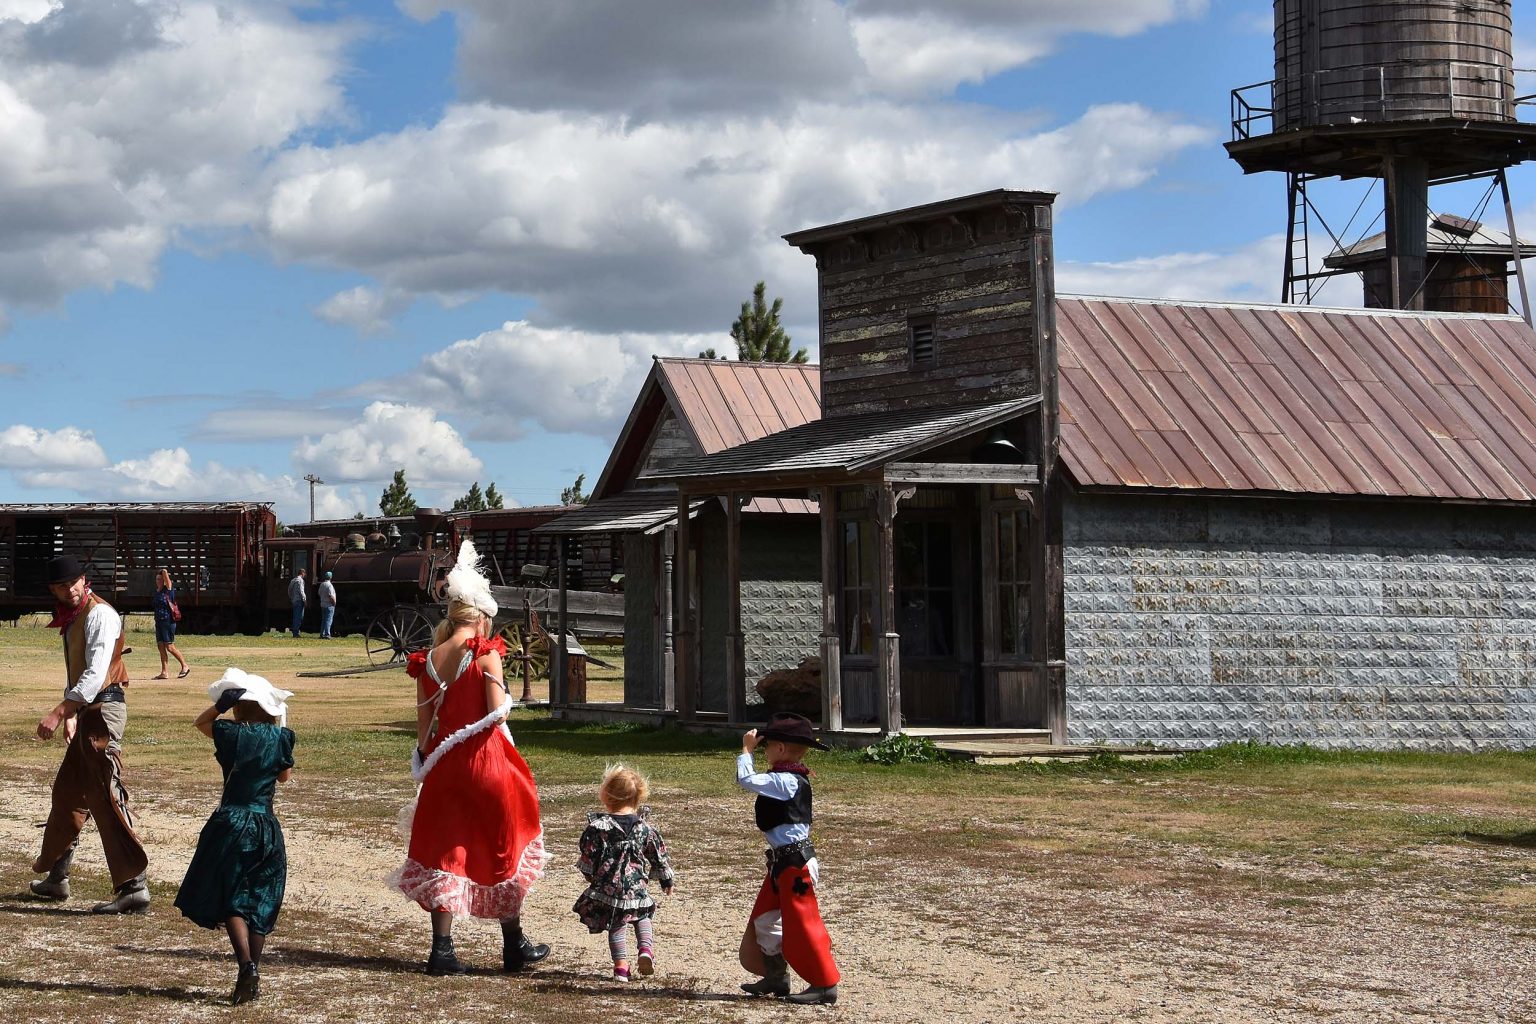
476, 843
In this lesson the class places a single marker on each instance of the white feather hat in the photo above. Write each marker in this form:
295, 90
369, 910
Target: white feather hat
257, 690
467, 581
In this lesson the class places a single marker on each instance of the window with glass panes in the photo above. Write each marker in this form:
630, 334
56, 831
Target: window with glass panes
925, 596
1013, 581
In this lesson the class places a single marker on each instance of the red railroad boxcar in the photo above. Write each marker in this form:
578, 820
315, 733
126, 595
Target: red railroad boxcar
213, 551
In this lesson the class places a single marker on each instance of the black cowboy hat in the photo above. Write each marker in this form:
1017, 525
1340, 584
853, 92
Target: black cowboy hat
64, 569
788, 727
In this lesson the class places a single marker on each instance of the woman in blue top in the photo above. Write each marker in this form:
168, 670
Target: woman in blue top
165, 625
240, 870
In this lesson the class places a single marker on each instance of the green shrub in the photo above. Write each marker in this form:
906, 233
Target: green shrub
902, 749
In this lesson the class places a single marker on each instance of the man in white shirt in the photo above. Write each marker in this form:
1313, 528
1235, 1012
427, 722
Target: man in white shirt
93, 715
327, 591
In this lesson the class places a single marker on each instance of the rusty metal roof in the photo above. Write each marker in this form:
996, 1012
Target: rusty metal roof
850, 443
1297, 400
723, 403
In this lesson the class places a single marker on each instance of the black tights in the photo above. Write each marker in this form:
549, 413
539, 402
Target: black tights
246, 943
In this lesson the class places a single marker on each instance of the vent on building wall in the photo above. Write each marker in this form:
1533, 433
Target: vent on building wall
921, 342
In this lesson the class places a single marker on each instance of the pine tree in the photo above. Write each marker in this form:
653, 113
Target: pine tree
473, 500
758, 335
573, 495
492, 496
396, 499
710, 353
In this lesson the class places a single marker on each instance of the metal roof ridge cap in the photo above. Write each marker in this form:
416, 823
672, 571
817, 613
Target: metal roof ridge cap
1292, 307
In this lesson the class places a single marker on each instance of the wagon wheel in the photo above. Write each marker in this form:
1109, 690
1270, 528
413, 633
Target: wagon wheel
537, 656
396, 632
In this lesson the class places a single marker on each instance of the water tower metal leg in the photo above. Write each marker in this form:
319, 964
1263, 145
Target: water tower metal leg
1514, 246
1406, 180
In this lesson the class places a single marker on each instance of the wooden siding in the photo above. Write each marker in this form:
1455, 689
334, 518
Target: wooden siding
668, 445
975, 283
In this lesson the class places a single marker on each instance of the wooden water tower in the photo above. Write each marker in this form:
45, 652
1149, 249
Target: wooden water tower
1416, 93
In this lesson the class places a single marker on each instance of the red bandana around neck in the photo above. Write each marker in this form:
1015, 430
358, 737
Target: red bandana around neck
793, 767
64, 617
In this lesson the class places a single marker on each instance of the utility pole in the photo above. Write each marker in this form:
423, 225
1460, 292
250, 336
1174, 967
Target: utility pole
312, 481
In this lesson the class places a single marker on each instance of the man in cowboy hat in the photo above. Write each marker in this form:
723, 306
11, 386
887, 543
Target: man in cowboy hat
93, 715
785, 928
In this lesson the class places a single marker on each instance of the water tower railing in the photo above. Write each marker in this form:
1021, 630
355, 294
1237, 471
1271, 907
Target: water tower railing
1246, 113
1378, 95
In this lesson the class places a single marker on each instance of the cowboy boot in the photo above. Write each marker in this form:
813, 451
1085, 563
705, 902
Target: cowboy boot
517, 953
443, 960
132, 897
56, 885
816, 995
775, 982
247, 985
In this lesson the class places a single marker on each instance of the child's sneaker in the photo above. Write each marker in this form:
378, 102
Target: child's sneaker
621, 975
646, 964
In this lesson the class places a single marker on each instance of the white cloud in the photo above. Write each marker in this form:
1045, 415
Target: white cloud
1250, 273
25, 11
561, 380
122, 123
612, 226
24, 447
366, 310
390, 436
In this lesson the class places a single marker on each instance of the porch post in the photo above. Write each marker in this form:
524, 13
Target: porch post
684, 625
831, 636
557, 676
668, 656
888, 644
735, 644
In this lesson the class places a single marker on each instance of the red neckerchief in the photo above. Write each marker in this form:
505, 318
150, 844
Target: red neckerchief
64, 616
793, 767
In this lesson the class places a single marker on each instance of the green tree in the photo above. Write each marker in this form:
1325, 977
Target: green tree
710, 353
492, 496
396, 499
758, 335
573, 494
473, 500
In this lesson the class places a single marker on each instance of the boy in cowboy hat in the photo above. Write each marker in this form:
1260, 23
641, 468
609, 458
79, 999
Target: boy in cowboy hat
93, 714
785, 929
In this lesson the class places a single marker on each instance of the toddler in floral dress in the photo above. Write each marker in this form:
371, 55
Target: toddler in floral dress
620, 851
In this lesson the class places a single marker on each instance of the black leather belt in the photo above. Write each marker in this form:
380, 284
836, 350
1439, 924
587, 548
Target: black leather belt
790, 855
111, 695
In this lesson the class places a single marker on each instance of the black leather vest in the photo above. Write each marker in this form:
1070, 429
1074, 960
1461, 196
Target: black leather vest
771, 813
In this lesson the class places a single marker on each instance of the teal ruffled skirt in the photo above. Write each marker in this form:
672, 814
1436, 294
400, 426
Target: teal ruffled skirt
240, 869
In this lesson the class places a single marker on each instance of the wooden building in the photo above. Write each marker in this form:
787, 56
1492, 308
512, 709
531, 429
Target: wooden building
1120, 521
687, 408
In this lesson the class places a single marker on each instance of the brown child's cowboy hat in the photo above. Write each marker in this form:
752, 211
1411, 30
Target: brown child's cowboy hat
787, 727
64, 569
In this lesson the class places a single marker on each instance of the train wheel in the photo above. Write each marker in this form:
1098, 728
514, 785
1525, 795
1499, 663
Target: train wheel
537, 656
397, 632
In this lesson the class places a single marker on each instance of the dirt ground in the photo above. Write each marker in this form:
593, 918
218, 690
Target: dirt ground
1327, 892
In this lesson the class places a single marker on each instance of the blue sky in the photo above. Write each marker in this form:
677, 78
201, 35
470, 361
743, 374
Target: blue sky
245, 241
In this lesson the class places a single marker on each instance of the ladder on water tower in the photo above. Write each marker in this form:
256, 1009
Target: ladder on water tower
1297, 286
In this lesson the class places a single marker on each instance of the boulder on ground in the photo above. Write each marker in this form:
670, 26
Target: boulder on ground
793, 689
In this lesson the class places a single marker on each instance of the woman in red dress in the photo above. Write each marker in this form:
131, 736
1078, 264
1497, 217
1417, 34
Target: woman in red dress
476, 844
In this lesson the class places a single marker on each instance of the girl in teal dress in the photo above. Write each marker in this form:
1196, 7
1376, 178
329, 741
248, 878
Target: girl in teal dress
237, 876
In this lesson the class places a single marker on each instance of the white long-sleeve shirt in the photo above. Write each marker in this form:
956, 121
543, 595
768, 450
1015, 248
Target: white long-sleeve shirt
778, 786
102, 628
